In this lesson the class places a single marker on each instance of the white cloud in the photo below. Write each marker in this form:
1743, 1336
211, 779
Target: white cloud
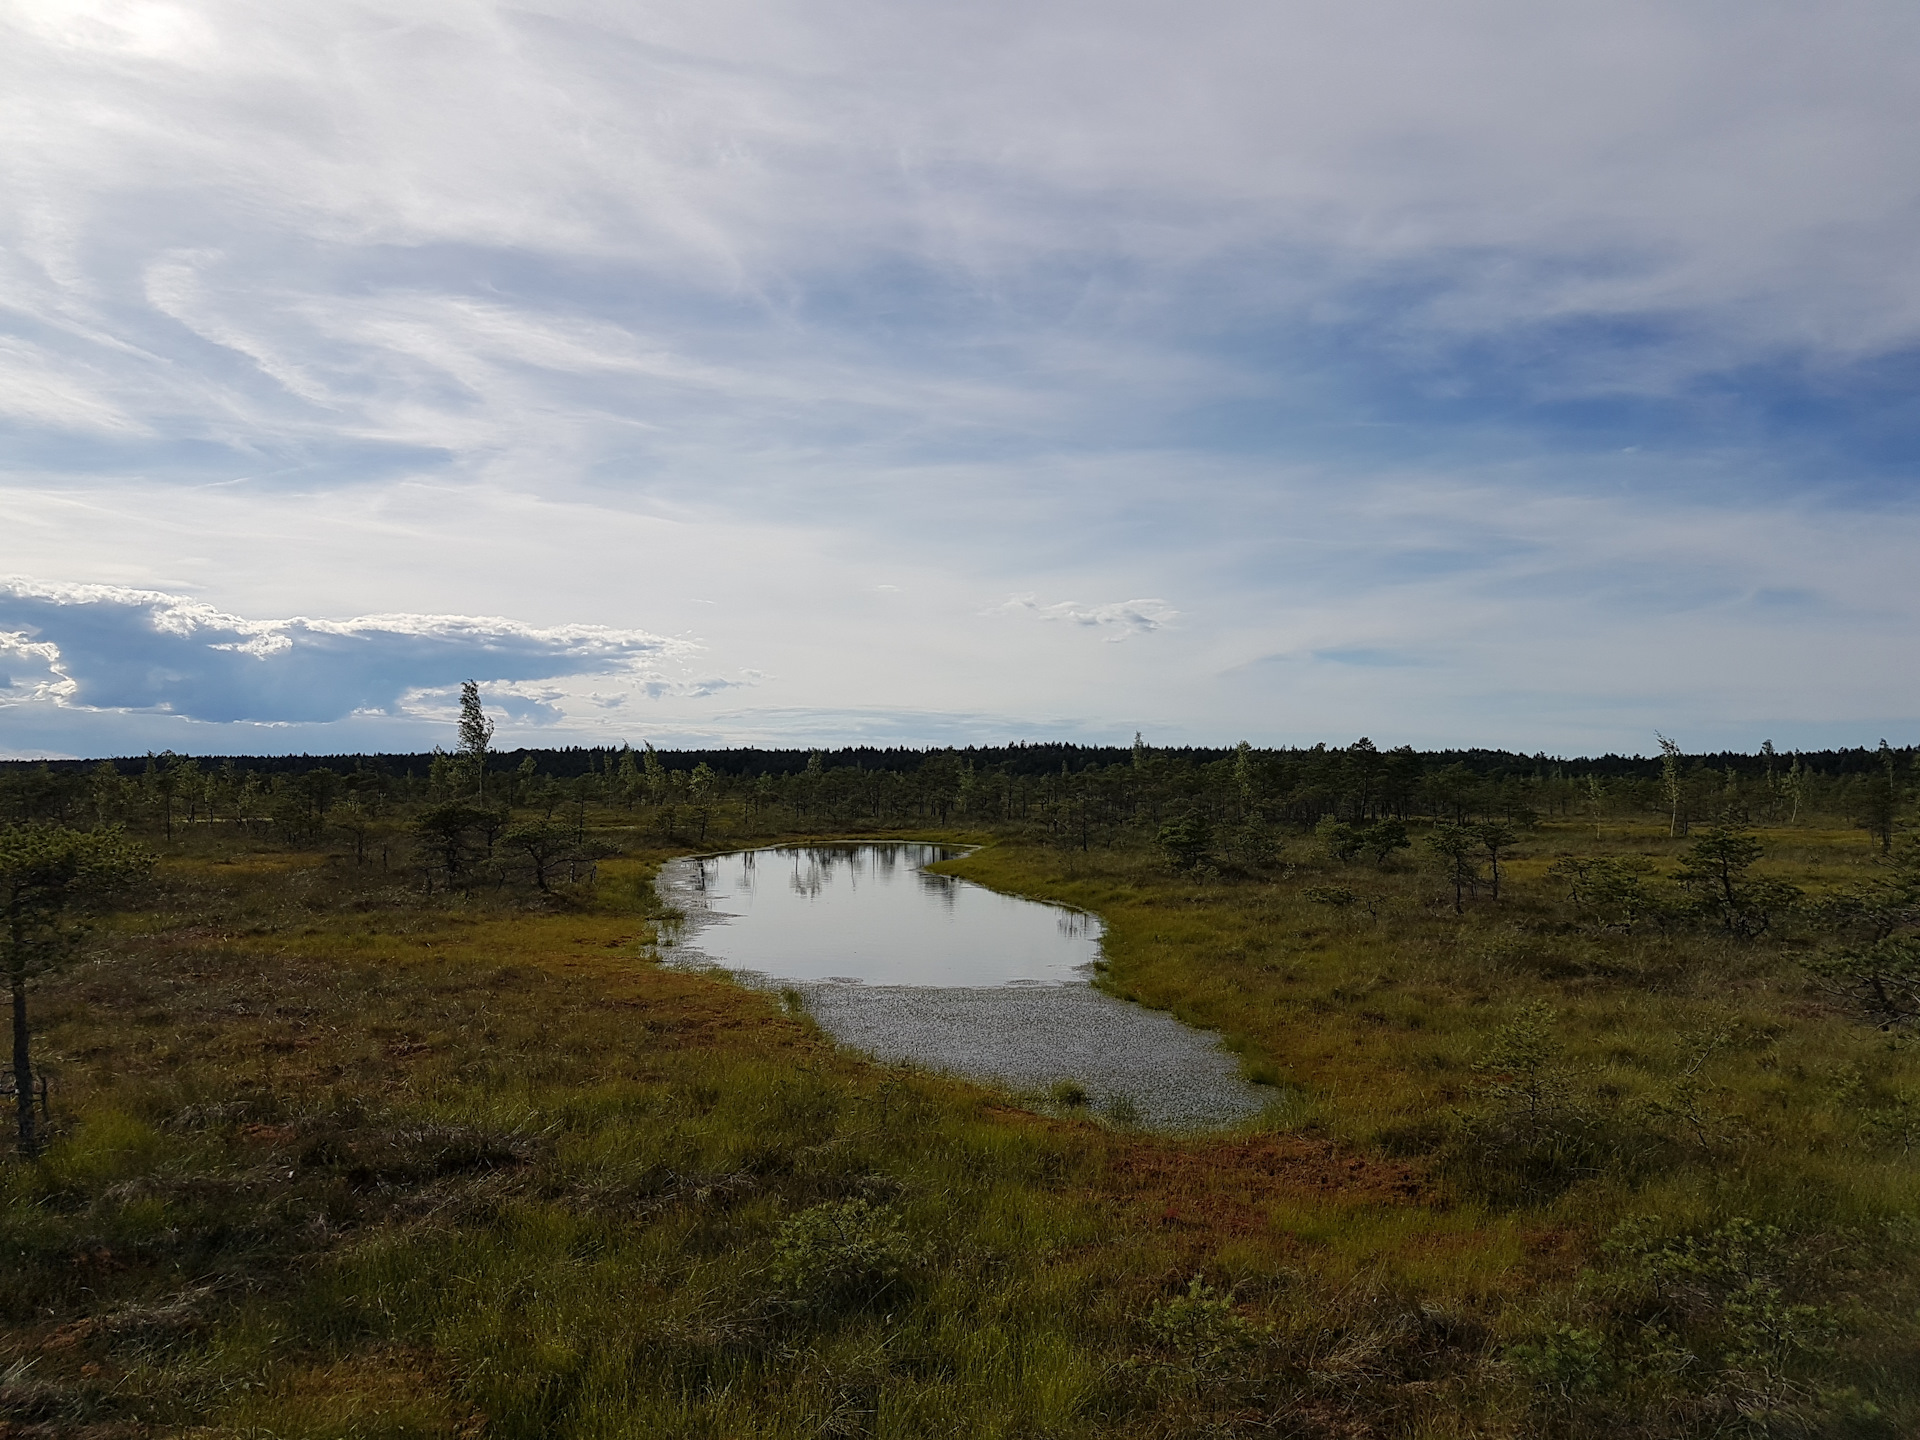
114, 648
261, 175
576, 311
1121, 618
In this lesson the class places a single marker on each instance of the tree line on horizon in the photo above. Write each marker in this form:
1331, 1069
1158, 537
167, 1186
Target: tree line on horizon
1081, 795
1019, 758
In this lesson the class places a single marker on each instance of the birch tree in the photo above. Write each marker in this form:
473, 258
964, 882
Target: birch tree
476, 732
1670, 784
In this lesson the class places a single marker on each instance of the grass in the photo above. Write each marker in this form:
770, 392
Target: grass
333, 1160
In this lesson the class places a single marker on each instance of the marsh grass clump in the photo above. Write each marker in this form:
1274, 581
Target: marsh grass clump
1069, 1095
1120, 1110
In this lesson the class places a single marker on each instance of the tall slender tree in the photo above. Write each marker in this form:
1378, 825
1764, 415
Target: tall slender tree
476, 732
1670, 782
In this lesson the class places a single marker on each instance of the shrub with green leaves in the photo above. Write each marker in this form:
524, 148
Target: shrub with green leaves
1202, 1325
1250, 843
1880, 979
845, 1252
1715, 1331
1382, 838
1721, 1315
1568, 1364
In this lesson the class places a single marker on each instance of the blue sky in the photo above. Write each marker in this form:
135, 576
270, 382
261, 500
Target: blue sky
726, 373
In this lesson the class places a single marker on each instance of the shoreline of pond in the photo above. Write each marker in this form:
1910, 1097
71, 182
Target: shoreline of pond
1064, 1040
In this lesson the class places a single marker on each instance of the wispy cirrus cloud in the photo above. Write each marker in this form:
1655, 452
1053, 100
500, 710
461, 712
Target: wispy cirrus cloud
1301, 314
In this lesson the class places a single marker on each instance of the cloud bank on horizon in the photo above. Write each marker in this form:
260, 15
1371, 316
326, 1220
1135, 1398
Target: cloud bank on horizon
99, 649
1469, 374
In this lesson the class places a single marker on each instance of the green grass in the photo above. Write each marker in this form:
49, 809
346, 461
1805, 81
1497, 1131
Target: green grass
330, 1160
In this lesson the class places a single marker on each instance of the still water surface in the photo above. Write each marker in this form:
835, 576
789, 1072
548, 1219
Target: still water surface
944, 973
872, 914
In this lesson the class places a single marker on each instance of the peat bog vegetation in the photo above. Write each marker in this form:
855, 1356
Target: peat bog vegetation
372, 1113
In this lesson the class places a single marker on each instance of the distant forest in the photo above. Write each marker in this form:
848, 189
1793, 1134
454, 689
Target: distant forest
1036, 759
1091, 793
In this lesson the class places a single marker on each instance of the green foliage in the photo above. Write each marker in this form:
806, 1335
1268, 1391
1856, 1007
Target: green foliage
844, 1252
1202, 1327
1881, 979
1456, 847
1340, 841
1896, 1123
1715, 874
1068, 1094
1886, 903
1611, 892
1686, 1106
1249, 844
544, 847
1382, 838
46, 873
1567, 1364
1496, 838
1879, 798
1722, 1319
476, 734
455, 838
1879, 976
1672, 787
1530, 1133
1717, 1330
1345, 843
1186, 842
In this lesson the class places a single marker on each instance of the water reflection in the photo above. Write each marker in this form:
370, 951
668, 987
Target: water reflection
875, 914
932, 969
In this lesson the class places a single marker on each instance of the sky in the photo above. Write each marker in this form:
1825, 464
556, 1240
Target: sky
1495, 373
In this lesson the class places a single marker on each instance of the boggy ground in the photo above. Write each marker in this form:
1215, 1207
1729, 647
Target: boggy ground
333, 1159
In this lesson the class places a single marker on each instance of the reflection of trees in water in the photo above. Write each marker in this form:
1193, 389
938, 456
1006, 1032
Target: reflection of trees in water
1076, 926
944, 888
814, 868
809, 876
